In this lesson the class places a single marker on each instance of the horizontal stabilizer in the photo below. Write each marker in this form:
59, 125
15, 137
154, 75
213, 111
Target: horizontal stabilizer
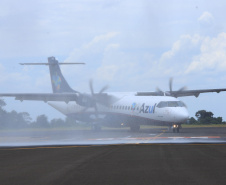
49, 63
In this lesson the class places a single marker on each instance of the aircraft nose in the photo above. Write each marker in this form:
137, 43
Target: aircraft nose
182, 116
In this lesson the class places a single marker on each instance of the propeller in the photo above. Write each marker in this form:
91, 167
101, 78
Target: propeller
160, 92
171, 92
95, 98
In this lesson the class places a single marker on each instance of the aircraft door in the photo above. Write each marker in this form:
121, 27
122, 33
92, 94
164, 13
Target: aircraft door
134, 109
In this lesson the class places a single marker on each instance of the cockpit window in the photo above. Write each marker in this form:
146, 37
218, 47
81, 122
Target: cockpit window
173, 104
163, 104
181, 104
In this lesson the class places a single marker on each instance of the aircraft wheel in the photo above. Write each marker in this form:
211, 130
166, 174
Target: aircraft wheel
135, 128
96, 128
173, 130
178, 130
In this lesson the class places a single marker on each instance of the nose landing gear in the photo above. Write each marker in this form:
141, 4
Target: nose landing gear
176, 128
96, 128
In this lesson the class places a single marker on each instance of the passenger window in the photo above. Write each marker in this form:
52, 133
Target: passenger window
171, 104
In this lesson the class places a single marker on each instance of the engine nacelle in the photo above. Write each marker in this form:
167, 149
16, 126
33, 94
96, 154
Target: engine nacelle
85, 100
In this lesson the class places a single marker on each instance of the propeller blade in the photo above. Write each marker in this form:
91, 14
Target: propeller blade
95, 99
170, 84
182, 89
96, 111
103, 89
91, 87
158, 89
171, 92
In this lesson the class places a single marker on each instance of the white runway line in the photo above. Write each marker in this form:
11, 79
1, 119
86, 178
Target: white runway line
147, 139
199, 137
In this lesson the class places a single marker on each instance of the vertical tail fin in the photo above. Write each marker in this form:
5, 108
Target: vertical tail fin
59, 84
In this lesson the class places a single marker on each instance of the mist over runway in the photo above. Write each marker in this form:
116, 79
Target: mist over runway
111, 136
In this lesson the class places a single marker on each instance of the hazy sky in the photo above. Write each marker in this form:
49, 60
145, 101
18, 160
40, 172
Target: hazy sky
130, 45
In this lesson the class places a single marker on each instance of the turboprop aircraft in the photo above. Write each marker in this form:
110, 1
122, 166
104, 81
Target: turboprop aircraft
110, 108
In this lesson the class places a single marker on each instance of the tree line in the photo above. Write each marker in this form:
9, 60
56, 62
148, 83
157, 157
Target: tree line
15, 120
204, 117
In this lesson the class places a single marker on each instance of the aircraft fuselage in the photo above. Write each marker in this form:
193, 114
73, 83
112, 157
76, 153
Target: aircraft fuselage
130, 109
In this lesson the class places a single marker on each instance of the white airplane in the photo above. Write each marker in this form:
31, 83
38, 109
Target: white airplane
114, 109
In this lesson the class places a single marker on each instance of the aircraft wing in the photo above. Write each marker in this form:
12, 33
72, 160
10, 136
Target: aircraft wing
183, 93
193, 92
102, 98
66, 97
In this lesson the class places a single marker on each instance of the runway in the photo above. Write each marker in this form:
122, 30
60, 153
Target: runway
156, 156
115, 164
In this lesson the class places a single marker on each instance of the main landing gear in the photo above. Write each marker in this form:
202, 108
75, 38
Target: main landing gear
135, 128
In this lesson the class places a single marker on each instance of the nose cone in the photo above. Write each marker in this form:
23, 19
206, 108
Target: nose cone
181, 116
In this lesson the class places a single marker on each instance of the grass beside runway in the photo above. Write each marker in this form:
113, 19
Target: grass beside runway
203, 126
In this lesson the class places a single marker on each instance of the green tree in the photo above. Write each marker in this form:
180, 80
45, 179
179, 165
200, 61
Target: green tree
202, 114
42, 122
13, 119
204, 117
2, 103
70, 122
192, 121
3, 114
217, 120
57, 123
17, 120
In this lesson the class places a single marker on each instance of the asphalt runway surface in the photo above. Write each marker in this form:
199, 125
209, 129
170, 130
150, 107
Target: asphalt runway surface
156, 156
